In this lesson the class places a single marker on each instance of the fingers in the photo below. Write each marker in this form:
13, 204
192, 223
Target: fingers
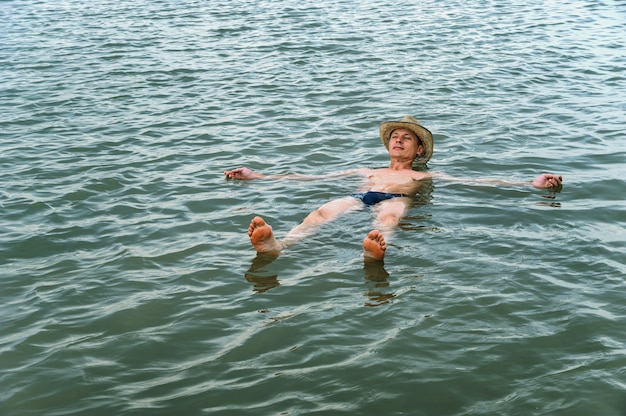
548, 180
553, 181
548, 176
233, 174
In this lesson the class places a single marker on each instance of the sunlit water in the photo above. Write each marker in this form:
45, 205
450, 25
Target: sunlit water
128, 282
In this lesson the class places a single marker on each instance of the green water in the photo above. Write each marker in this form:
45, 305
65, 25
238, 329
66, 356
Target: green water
129, 286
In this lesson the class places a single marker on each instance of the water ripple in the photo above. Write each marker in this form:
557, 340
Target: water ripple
129, 286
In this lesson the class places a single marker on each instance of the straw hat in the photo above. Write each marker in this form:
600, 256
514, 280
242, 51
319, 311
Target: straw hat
409, 123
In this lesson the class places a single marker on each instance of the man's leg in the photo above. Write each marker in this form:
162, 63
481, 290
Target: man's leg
327, 212
388, 215
262, 236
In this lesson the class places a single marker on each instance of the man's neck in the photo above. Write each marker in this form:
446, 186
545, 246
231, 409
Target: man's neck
400, 164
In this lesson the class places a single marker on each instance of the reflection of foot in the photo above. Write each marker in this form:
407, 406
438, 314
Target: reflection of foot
375, 272
374, 245
262, 237
261, 275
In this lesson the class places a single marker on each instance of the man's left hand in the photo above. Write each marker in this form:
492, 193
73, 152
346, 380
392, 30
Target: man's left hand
548, 180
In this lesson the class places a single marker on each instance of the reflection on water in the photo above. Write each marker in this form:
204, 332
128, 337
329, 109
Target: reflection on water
259, 276
375, 274
377, 279
551, 195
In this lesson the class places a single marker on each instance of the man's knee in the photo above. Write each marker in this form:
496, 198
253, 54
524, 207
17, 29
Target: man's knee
317, 216
389, 219
331, 210
390, 215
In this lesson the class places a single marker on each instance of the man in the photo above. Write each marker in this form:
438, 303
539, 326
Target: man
388, 191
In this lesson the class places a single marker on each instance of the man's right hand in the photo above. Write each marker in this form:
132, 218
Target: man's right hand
242, 174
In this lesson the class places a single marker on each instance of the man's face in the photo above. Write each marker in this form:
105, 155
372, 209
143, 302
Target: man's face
404, 143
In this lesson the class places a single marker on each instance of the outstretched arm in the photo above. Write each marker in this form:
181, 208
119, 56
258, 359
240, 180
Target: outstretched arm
544, 181
248, 174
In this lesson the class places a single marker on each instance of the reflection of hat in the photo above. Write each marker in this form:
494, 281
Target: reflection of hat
409, 123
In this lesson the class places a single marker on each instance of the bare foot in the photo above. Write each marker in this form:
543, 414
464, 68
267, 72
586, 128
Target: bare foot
262, 237
374, 245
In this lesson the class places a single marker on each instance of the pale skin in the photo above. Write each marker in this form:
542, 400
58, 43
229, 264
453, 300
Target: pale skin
398, 178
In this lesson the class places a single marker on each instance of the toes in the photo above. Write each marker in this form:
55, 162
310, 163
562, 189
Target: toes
254, 224
257, 222
377, 237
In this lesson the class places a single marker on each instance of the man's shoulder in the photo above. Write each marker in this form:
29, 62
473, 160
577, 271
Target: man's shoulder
422, 174
418, 176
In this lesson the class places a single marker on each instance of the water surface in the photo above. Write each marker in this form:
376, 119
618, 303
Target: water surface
129, 285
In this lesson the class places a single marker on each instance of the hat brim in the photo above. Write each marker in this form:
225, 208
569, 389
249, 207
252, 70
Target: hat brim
425, 136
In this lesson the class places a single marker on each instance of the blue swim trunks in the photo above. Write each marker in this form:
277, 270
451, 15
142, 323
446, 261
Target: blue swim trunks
372, 198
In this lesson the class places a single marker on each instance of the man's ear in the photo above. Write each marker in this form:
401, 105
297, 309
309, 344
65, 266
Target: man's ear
420, 150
